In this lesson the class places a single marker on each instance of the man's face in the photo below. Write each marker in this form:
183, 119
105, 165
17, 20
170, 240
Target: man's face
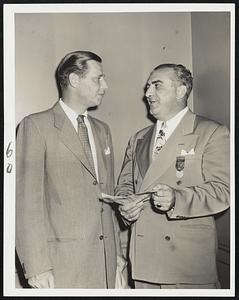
161, 92
91, 87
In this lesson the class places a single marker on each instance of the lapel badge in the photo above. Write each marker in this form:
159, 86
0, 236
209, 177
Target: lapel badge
180, 163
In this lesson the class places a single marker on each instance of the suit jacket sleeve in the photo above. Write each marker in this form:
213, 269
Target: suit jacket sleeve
31, 237
125, 185
212, 196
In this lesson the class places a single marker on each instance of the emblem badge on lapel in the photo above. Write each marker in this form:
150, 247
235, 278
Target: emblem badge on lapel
180, 163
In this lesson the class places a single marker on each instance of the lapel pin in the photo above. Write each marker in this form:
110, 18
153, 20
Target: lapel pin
180, 163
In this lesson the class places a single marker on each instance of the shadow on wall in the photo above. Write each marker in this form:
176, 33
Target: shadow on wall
209, 97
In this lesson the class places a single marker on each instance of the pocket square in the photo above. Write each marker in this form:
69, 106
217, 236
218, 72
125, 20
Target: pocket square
107, 151
184, 152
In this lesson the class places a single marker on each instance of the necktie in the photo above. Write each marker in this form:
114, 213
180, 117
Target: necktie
160, 140
84, 138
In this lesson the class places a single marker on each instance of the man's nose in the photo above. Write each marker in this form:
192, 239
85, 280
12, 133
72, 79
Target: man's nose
149, 91
104, 84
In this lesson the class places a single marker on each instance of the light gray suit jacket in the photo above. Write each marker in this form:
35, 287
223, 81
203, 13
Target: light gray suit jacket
60, 222
179, 247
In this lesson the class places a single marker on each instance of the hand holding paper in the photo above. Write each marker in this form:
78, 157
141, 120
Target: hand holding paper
129, 206
163, 197
123, 199
131, 209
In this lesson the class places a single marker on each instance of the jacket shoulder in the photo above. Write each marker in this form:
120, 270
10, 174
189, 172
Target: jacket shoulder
210, 129
42, 121
40, 116
208, 124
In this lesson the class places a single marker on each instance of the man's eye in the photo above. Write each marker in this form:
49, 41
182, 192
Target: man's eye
101, 77
157, 85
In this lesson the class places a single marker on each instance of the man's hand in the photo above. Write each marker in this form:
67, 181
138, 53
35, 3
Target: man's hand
132, 207
163, 197
44, 280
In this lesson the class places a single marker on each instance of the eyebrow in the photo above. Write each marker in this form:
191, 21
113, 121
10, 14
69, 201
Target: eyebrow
156, 81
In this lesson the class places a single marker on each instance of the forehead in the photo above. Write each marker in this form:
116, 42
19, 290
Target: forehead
166, 74
94, 67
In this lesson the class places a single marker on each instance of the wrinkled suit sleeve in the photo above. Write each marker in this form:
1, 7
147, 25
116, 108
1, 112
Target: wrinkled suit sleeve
213, 195
125, 184
31, 237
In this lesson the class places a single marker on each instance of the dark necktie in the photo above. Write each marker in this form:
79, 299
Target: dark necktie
160, 140
84, 138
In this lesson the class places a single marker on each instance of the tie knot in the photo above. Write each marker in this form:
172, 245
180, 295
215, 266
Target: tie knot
80, 119
162, 129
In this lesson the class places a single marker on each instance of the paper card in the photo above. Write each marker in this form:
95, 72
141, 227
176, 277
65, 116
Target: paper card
122, 199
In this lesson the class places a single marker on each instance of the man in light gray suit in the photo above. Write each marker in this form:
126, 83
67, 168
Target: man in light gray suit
65, 236
183, 162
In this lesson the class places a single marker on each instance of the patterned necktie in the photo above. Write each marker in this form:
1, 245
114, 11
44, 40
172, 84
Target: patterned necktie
160, 140
84, 138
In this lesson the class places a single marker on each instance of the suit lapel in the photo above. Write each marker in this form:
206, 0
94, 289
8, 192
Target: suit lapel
100, 147
143, 150
181, 138
69, 136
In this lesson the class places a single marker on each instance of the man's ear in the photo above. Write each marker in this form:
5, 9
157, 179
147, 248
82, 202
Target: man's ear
181, 91
73, 79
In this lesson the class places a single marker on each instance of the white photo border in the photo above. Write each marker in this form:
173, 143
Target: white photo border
9, 143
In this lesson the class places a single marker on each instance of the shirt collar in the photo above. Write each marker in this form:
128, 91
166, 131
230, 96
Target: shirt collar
173, 122
176, 119
69, 111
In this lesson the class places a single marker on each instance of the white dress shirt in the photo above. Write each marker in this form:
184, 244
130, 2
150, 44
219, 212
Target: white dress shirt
72, 115
171, 125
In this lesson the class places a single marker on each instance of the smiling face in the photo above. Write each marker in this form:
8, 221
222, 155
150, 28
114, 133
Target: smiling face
91, 87
162, 93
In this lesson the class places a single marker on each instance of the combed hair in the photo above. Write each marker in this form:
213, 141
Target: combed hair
183, 75
74, 62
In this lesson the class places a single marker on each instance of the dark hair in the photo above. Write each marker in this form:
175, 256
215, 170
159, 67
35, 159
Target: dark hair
183, 75
74, 62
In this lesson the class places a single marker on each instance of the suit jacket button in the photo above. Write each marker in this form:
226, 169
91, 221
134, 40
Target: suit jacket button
179, 182
167, 238
101, 237
95, 182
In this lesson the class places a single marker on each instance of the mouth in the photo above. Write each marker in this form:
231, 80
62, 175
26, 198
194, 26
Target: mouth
151, 101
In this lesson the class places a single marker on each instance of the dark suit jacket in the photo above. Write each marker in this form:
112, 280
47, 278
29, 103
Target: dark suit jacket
178, 247
60, 222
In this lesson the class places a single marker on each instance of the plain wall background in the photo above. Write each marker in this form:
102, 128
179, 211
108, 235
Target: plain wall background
130, 44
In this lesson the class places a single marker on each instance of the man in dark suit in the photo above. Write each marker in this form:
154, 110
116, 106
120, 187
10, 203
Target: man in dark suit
183, 163
65, 236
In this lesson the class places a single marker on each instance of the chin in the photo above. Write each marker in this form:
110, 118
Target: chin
96, 102
155, 113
